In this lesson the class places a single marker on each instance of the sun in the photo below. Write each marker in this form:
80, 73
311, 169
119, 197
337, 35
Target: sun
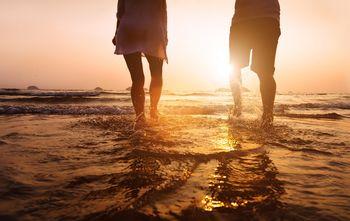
223, 70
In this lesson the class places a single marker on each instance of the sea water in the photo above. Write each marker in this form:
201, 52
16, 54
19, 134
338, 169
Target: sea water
72, 155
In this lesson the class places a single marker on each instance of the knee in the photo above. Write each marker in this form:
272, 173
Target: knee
265, 74
138, 83
266, 77
157, 79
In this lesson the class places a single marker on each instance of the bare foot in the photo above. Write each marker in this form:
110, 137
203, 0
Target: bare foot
267, 121
236, 111
140, 122
154, 114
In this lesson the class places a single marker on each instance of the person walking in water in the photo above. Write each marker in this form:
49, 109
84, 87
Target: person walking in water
142, 31
255, 27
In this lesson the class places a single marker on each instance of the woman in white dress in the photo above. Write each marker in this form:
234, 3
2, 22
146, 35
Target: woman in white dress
142, 31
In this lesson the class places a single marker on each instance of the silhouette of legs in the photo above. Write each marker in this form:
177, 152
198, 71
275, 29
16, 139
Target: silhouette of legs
268, 93
236, 88
156, 68
263, 63
134, 64
261, 37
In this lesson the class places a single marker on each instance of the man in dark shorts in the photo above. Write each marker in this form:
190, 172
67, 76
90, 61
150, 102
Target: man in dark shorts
255, 27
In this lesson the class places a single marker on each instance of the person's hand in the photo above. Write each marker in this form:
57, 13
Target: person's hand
114, 41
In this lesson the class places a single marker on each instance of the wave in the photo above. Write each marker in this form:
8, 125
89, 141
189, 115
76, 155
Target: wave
312, 151
63, 99
115, 93
18, 92
204, 94
339, 105
333, 116
282, 144
197, 110
99, 105
65, 110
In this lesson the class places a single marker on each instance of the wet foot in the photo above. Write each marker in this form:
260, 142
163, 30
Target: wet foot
140, 122
154, 114
236, 111
267, 121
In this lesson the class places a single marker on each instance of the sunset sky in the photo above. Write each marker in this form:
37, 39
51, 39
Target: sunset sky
66, 44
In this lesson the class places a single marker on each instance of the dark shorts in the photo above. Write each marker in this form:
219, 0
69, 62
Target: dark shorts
259, 35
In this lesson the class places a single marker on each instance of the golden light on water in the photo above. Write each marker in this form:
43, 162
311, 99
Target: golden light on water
228, 144
209, 204
228, 141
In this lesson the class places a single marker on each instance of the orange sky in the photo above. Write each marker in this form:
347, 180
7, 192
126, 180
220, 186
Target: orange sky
67, 44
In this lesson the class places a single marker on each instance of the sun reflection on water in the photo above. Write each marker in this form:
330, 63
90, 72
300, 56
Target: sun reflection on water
228, 144
227, 141
209, 204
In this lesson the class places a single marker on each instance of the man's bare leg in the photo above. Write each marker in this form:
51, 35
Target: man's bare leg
236, 88
268, 94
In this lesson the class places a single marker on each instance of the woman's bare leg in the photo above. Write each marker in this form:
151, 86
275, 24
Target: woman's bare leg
134, 64
156, 68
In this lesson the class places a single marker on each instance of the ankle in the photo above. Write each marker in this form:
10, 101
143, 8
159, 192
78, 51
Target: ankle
154, 113
140, 116
153, 110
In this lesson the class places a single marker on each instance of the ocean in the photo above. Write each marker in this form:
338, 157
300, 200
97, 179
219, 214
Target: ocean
72, 155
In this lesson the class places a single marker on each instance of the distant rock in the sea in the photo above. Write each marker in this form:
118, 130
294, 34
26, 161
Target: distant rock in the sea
99, 89
33, 88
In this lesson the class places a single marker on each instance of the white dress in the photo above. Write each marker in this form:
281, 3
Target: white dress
142, 27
